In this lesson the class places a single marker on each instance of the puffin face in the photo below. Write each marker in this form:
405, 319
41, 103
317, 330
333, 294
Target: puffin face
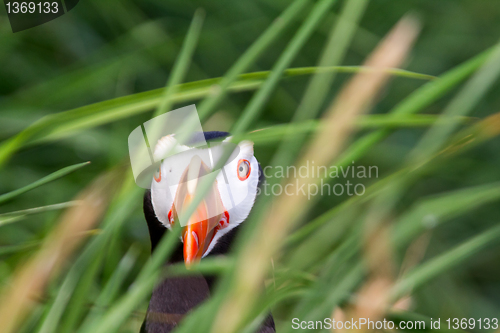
226, 205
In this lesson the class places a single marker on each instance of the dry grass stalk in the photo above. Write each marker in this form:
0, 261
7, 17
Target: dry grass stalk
373, 298
29, 282
326, 146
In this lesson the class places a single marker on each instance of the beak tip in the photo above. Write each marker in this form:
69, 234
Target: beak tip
189, 264
189, 261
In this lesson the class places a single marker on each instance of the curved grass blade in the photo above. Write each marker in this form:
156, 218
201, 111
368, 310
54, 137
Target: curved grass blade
67, 123
51, 320
53, 176
142, 286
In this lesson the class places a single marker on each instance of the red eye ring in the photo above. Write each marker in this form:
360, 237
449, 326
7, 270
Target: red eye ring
158, 179
244, 175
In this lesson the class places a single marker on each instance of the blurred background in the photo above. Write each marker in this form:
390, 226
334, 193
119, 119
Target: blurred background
106, 49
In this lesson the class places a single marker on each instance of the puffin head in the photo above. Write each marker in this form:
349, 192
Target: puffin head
227, 203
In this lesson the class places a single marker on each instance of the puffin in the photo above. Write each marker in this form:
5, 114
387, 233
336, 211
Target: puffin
211, 229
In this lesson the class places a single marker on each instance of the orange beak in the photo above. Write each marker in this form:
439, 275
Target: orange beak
201, 227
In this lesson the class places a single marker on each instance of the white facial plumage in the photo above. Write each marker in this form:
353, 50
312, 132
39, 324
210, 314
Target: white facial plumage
240, 190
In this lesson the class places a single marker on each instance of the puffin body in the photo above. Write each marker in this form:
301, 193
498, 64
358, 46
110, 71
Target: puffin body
210, 231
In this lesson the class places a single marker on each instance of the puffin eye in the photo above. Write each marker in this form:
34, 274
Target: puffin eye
243, 169
157, 175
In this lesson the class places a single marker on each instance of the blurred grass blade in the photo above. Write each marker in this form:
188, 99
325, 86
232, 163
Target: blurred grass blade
179, 70
435, 138
265, 241
41, 209
431, 212
279, 132
316, 91
143, 284
444, 262
142, 287
51, 320
70, 122
256, 104
472, 136
56, 249
182, 63
11, 219
19, 215
53, 176
112, 288
63, 124
86, 266
462, 104
10, 249
416, 102
250, 56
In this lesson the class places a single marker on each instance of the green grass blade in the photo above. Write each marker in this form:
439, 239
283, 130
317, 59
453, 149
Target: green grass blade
79, 295
122, 309
471, 136
68, 123
182, 63
437, 135
416, 102
42, 209
444, 262
69, 302
11, 217
10, 249
251, 55
279, 132
256, 104
51, 320
431, 212
317, 90
462, 104
112, 287
142, 287
86, 265
53, 176
421, 98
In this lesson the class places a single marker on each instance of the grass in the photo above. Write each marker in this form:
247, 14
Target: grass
430, 218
